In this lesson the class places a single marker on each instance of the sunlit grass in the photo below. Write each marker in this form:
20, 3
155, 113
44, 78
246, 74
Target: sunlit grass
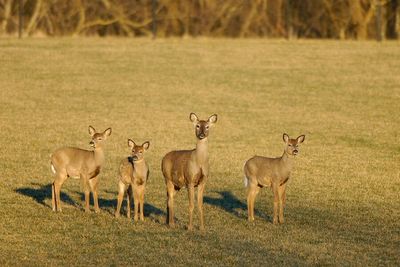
342, 206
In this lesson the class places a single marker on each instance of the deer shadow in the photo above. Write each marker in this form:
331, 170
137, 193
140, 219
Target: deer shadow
230, 203
110, 205
42, 193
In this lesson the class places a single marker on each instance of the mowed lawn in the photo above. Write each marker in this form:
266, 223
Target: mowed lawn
343, 205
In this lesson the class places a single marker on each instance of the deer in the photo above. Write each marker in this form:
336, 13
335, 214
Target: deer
262, 172
80, 164
190, 169
133, 175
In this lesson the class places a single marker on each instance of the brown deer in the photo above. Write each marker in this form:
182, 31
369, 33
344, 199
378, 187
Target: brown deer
188, 168
79, 163
271, 172
133, 175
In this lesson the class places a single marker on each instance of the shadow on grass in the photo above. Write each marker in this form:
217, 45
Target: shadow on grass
233, 205
41, 192
110, 206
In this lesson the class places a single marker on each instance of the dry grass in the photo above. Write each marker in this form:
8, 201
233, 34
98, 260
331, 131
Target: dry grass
343, 198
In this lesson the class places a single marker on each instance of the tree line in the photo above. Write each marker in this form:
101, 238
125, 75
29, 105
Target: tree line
336, 19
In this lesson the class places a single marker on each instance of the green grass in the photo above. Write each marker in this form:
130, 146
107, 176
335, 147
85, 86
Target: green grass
343, 197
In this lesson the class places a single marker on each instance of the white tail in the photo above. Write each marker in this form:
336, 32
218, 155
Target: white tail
246, 181
75, 162
188, 168
53, 170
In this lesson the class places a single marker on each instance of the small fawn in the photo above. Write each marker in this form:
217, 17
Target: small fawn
188, 168
271, 172
79, 163
133, 175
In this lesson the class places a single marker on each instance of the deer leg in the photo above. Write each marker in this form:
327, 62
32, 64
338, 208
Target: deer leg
284, 195
129, 198
141, 196
191, 206
170, 204
53, 197
136, 203
200, 192
93, 183
58, 182
281, 191
275, 190
121, 192
86, 192
252, 192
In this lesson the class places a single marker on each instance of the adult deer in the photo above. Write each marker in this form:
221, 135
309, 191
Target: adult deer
79, 163
271, 172
133, 175
188, 168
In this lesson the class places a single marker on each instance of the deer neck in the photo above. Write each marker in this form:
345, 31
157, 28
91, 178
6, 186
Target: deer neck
98, 156
139, 163
287, 161
201, 151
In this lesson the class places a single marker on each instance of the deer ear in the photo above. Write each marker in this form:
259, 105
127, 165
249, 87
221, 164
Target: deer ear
107, 132
92, 131
285, 138
193, 118
146, 145
213, 119
301, 139
131, 144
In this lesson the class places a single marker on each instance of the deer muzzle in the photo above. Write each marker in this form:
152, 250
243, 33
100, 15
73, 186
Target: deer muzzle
92, 144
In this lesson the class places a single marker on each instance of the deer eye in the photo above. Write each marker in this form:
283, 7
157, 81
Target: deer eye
207, 127
197, 126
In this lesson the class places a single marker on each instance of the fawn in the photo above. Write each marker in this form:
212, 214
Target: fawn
188, 168
133, 175
272, 172
79, 163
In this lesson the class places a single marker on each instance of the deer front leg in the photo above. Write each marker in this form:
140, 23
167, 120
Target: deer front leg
281, 193
93, 183
136, 203
191, 206
141, 196
252, 192
129, 198
276, 202
200, 192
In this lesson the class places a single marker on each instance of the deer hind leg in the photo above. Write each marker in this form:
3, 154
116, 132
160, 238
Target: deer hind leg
252, 192
200, 192
93, 183
170, 203
282, 196
56, 189
121, 192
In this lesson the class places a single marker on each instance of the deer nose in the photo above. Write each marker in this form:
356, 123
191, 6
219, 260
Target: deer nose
91, 143
201, 136
295, 152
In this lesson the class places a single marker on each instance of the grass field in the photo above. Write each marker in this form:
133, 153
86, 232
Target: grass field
343, 203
